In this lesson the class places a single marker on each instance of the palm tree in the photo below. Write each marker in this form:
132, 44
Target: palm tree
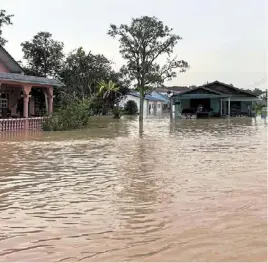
108, 90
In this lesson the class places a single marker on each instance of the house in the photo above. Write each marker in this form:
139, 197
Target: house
152, 104
22, 96
213, 99
165, 98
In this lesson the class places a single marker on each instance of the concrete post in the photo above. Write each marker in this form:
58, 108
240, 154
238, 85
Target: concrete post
171, 108
26, 91
229, 106
50, 105
48, 92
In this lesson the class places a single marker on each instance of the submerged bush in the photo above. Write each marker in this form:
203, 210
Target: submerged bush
131, 108
72, 116
117, 112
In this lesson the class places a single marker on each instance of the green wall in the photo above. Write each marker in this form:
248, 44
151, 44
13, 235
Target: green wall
244, 106
215, 104
185, 104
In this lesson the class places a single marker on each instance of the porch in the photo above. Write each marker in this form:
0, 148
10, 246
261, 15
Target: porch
25, 101
213, 106
213, 100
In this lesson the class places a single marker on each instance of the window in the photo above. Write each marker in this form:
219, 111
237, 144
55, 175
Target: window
3, 103
159, 106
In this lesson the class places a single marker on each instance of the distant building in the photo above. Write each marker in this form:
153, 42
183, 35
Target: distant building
214, 99
152, 103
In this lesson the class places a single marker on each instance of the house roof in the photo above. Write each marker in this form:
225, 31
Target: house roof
20, 78
147, 97
202, 88
159, 95
227, 89
219, 89
9, 61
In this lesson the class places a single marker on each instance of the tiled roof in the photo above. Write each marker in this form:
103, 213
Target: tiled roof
20, 78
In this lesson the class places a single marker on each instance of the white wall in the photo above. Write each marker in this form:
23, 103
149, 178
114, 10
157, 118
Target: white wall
156, 106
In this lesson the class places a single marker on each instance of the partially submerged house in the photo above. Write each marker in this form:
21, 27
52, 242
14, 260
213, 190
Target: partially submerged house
162, 97
152, 104
22, 97
213, 99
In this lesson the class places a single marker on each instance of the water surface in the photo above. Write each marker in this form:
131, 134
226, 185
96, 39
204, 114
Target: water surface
194, 190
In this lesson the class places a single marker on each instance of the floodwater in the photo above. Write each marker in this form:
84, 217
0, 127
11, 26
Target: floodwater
194, 190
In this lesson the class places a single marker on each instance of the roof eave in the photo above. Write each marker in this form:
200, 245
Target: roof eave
34, 83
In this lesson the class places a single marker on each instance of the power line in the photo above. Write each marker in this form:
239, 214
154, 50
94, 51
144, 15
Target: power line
258, 83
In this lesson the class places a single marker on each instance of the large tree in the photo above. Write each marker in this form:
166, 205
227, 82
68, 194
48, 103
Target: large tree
4, 20
43, 54
141, 45
82, 73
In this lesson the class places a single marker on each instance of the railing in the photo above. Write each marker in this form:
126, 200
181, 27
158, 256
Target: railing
22, 124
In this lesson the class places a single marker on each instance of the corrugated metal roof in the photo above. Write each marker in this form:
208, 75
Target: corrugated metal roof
160, 96
30, 79
147, 97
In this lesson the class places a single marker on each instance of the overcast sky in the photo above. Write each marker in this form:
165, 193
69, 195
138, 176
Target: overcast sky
223, 40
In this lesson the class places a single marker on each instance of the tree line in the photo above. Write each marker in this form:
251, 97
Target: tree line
141, 43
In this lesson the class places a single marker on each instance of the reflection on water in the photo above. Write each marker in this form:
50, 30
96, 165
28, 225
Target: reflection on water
191, 190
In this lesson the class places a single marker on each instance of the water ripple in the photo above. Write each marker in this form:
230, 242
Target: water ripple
194, 190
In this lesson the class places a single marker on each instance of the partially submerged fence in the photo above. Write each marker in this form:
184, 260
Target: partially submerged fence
22, 124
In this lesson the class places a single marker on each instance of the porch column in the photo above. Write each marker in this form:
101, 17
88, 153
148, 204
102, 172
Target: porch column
221, 107
229, 106
50, 99
26, 91
171, 108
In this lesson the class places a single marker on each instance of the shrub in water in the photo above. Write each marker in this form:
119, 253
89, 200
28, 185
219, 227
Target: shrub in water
73, 116
131, 107
117, 112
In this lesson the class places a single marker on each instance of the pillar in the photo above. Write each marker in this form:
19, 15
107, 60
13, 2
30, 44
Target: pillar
50, 99
221, 107
26, 91
48, 92
171, 108
229, 106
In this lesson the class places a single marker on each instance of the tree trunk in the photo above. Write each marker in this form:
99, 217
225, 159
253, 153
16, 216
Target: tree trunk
141, 104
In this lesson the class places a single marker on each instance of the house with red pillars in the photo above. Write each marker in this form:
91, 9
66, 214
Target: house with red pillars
24, 99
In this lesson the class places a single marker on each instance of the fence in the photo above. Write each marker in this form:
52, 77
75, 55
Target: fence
22, 124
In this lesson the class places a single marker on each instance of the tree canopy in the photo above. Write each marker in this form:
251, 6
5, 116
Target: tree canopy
5, 20
141, 45
84, 71
43, 54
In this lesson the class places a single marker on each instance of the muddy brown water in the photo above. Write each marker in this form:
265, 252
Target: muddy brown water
194, 190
